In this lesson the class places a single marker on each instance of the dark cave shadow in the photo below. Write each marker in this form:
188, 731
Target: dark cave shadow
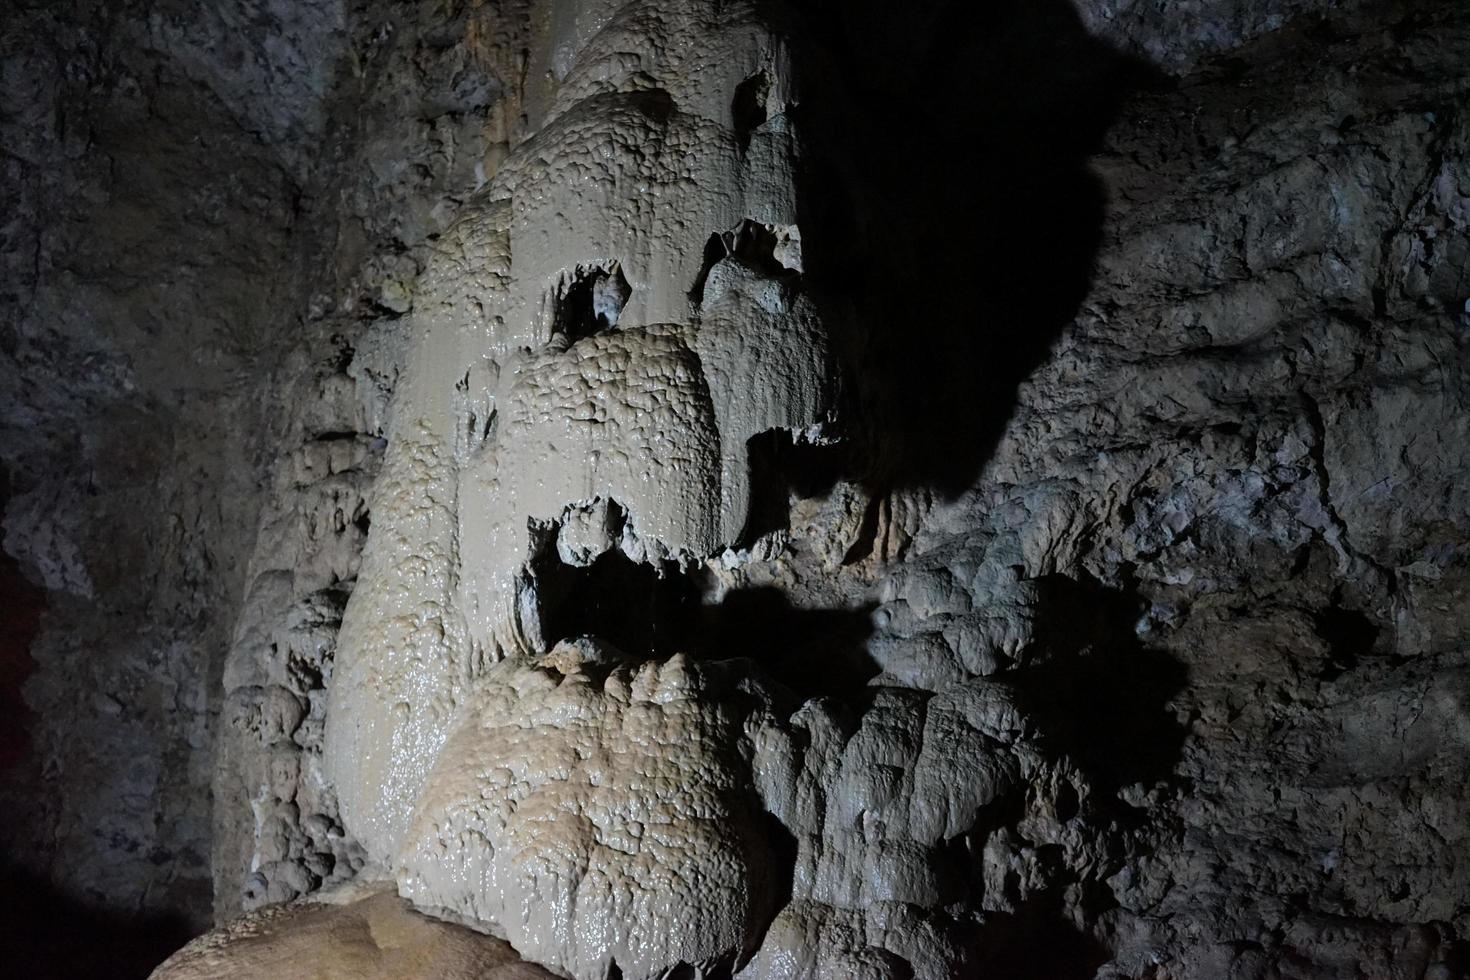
1038, 941
782, 469
647, 611
47, 935
1100, 696
953, 226
814, 652
21, 606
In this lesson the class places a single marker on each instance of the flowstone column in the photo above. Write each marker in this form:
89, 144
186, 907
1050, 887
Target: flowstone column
610, 321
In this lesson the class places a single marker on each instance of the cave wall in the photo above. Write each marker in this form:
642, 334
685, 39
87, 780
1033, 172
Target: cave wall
1157, 670
211, 205
145, 238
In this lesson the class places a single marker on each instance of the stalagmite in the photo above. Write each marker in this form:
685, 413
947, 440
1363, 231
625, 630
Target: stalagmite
578, 344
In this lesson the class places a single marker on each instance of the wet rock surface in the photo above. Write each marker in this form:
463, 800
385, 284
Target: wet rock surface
375, 935
685, 530
603, 814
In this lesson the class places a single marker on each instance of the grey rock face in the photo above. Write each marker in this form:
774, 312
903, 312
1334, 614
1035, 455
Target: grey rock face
1178, 36
276, 839
866, 491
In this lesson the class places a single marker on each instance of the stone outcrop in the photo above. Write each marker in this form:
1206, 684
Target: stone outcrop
814, 490
346, 936
603, 814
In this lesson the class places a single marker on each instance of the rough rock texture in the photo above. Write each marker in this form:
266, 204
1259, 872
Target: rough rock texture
878, 804
523, 401
424, 119
602, 813
1289, 274
376, 936
1019, 458
216, 218
1115, 532
1178, 35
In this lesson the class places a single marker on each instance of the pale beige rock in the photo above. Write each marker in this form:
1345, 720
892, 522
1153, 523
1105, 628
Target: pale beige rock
513, 412
602, 815
377, 937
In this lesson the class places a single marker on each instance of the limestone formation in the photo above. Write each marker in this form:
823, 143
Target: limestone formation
371, 936
666, 488
602, 814
629, 380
